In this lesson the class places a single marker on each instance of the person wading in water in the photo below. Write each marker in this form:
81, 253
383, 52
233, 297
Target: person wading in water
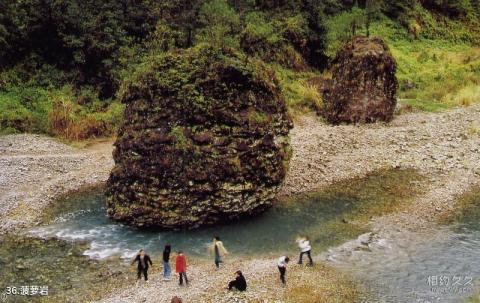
143, 263
219, 250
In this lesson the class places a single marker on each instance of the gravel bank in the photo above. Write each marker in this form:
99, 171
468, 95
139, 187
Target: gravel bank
445, 147
35, 170
209, 285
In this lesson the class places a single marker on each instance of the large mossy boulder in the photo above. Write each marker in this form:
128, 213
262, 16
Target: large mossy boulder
363, 87
204, 140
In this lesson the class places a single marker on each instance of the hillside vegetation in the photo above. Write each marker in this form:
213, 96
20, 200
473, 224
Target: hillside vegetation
62, 62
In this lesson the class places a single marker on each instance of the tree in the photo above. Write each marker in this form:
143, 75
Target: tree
372, 10
220, 24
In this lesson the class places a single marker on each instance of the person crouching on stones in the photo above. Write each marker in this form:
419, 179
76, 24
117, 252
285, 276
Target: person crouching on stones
305, 248
166, 262
282, 267
181, 267
239, 283
219, 250
143, 263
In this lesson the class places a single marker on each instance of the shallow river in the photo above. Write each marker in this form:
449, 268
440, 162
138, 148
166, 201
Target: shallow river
78, 245
440, 265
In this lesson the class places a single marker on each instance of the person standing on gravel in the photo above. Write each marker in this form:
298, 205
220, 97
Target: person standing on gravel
143, 263
166, 262
305, 248
282, 267
181, 267
219, 251
239, 283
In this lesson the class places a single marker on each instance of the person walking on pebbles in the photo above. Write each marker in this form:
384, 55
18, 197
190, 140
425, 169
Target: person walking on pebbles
166, 262
181, 267
239, 283
282, 267
305, 248
143, 263
218, 250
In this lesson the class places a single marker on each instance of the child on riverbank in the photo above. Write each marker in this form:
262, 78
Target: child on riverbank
181, 267
282, 267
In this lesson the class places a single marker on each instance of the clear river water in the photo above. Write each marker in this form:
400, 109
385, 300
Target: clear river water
78, 242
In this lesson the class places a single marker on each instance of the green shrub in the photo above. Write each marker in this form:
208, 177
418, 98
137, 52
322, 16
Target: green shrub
220, 24
268, 39
300, 95
24, 109
74, 120
61, 112
342, 27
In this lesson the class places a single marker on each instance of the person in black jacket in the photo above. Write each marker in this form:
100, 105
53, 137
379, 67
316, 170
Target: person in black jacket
166, 262
143, 262
239, 283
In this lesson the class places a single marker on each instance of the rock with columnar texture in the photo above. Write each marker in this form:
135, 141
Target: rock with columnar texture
204, 140
363, 87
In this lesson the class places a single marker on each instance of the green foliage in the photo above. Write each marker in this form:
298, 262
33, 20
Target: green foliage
220, 24
342, 27
92, 46
276, 40
181, 140
433, 74
300, 95
62, 112
78, 116
24, 109
163, 39
183, 73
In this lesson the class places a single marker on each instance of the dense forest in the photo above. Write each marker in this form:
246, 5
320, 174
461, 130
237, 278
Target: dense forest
62, 63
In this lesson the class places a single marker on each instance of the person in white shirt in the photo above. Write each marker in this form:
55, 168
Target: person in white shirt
282, 267
305, 248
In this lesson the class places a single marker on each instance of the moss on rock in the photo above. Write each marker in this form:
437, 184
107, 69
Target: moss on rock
203, 141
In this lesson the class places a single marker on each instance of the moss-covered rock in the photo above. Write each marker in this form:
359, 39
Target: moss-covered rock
363, 87
204, 140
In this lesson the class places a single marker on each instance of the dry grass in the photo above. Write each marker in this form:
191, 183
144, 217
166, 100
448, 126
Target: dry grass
464, 97
311, 95
65, 123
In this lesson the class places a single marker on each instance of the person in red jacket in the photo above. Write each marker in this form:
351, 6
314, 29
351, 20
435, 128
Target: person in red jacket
181, 267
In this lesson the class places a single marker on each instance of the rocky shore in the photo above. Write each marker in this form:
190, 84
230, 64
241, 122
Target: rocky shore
210, 285
35, 170
444, 147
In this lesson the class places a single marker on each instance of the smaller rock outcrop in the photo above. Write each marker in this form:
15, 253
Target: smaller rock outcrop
363, 87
